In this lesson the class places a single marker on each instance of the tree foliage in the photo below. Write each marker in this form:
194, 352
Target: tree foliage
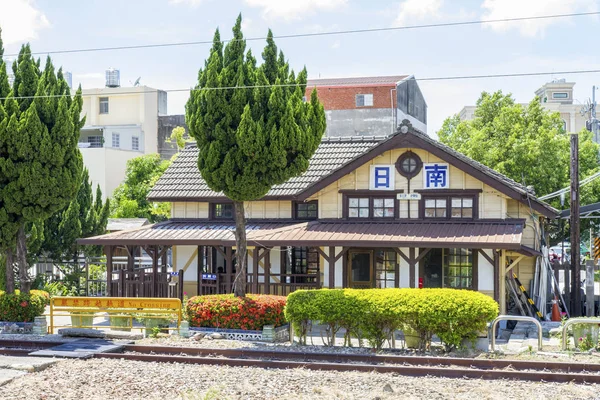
526, 143
251, 139
86, 215
40, 163
129, 199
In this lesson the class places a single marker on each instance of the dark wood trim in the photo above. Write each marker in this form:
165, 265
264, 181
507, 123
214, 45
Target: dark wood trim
484, 254
108, 250
448, 196
267, 264
411, 265
255, 262
155, 272
475, 276
220, 250
381, 194
345, 270
401, 254
497, 276
450, 192
295, 210
211, 211
422, 253
475, 266
397, 269
341, 253
360, 192
228, 266
321, 252
331, 267
200, 262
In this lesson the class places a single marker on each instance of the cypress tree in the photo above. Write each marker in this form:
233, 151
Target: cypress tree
41, 163
251, 139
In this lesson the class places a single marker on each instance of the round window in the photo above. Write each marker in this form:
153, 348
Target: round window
408, 164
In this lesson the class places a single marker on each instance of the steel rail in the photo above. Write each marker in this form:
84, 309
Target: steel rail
366, 358
536, 376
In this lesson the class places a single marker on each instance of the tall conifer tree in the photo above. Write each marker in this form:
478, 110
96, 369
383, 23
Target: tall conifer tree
41, 163
251, 139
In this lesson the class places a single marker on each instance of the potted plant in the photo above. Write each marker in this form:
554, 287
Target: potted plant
120, 322
153, 322
82, 319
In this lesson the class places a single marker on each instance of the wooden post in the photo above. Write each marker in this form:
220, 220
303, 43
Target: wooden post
130, 257
255, 270
589, 288
267, 272
155, 271
108, 250
229, 266
575, 249
502, 282
345, 272
566, 271
163, 262
331, 267
200, 262
411, 266
180, 284
496, 276
121, 283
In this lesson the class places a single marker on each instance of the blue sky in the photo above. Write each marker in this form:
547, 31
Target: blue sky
542, 45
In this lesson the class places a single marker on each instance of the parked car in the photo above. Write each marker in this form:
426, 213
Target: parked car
555, 253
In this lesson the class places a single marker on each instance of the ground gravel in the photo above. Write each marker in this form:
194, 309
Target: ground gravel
120, 379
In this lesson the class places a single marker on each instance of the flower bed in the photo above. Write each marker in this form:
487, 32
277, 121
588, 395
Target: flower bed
252, 312
21, 307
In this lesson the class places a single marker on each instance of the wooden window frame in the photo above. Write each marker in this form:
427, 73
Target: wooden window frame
448, 195
298, 203
212, 214
475, 266
371, 195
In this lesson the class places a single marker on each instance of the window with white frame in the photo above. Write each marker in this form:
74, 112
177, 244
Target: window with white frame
116, 140
135, 143
560, 95
103, 105
364, 100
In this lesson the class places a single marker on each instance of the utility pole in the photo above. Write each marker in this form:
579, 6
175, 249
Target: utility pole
575, 248
592, 124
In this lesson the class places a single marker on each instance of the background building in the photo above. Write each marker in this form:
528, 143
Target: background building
555, 96
370, 106
121, 123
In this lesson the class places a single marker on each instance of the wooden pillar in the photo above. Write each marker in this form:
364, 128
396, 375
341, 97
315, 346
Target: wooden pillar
130, 257
180, 285
502, 282
497, 276
109, 268
331, 267
255, 270
163, 260
267, 271
154, 271
411, 266
397, 270
200, 262
229, 266
344, 271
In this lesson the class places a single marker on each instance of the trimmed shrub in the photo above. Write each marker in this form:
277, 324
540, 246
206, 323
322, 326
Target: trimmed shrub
374, 314
19, 307
228, 312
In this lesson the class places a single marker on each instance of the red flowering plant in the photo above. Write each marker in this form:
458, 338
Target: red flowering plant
228, 312
20, 307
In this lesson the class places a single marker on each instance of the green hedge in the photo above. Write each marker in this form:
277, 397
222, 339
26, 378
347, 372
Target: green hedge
18, 307
374, 314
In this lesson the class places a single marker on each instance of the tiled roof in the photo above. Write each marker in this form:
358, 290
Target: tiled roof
478, 235
365, 80
182, 180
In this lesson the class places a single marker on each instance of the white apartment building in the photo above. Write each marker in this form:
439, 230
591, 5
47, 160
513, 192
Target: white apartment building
121, 123
556, 96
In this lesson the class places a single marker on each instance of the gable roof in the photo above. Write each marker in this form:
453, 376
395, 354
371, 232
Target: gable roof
335, 158
357, 81
182, 180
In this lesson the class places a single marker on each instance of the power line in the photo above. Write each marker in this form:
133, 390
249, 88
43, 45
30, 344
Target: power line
439, 78
568, 188
315, 34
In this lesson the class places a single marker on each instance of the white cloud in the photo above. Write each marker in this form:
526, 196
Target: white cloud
294, 9
90, 75
336, 44
499, 9
191, 3
418, 10
21, 21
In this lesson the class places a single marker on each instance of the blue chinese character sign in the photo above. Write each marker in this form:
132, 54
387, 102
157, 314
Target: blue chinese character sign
382, 177
436, 176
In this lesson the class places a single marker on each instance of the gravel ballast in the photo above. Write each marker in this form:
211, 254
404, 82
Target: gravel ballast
121, 379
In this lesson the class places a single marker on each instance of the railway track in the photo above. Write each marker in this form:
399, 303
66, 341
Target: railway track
404, 365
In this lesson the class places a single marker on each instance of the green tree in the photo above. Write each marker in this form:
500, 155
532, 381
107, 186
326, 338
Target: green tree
86, 215
250, 140
526, 143
177, 135
129, 199
39, 158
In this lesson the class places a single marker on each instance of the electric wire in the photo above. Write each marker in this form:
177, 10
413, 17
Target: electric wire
568, 189
315, 34
101, 92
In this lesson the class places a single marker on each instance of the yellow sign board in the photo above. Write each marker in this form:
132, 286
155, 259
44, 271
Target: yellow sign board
117, 302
